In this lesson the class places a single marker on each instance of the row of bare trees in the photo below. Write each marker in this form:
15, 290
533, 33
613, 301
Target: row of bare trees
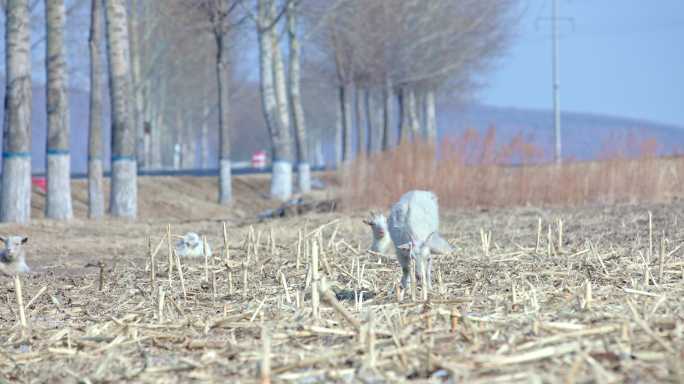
172, 70
15, 196
408, 51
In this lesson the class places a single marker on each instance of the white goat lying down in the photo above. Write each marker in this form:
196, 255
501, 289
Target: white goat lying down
191, 245
13, 256
413, 227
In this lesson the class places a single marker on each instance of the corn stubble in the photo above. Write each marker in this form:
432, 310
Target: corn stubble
560, 295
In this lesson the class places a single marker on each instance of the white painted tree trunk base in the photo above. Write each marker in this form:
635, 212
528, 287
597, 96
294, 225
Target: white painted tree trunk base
225, 184
15, 195
95, 194
281, 180
124, 191
58, 197
304, 177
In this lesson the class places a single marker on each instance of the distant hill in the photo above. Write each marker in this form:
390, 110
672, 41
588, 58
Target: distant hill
585, 136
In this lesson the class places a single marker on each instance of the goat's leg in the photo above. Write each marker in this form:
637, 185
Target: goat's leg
405, 276
428, 272
405, 263
419, 269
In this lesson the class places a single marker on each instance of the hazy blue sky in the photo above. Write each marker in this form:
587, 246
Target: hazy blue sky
623, 57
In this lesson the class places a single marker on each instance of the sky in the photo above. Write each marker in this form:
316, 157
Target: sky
617, 57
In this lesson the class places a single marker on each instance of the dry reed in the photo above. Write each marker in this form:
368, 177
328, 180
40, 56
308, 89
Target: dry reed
474, 171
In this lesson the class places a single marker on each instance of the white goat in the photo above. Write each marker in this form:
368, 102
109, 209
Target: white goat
381, 238
13, 256
414, 227
191, 245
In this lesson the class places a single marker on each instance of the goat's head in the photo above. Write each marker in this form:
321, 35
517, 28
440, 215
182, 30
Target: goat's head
378, 223
13, 256
190, 240
14, 246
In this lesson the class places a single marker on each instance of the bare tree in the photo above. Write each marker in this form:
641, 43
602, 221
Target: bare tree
303, 167
273, 97
346, 113
220, 21
386, 115
359, 111
430, 116
137, 10
58, 204
15, 198
371, 116
95, 193
413, 48
124, 188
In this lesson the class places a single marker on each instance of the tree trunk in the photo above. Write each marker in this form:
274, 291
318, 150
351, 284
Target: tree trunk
345, 109
370, 122
281, 180
303, 167
136, 86
320, 158
386, 116
15, 195
338, 141
204, 129
95, 193
430, 117
157, 122
223, 77
404, 120
413, 115
360, 134
187, 140
124, 190
420, 109
58, 197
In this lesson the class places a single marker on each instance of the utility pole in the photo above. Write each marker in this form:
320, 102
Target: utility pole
556, 82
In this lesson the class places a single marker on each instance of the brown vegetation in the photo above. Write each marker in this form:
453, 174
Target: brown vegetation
474, 171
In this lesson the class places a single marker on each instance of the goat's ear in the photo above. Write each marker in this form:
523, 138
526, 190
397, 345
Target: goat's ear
366, 222
3, 240
24, 240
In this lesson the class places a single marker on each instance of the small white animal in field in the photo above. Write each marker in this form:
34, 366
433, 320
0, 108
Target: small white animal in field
191, 245
13, 256
381, 237
414, 228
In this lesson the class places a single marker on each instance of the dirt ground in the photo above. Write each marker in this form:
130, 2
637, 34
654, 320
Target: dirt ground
594, 297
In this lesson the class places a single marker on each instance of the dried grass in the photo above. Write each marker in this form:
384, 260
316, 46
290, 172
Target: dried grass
601, 302
474, 171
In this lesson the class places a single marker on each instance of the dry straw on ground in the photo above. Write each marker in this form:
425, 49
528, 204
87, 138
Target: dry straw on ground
596, 298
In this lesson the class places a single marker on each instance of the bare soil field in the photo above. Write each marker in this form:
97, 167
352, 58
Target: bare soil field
589, 294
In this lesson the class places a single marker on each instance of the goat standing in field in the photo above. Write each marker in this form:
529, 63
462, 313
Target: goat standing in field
414, 228
13, 256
